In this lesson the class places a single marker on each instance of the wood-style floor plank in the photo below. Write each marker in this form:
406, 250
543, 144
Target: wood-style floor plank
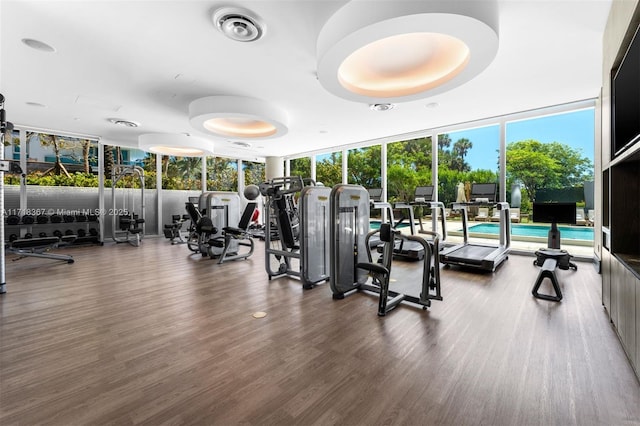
155, 335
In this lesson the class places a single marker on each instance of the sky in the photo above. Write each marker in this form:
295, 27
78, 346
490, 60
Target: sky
576, 129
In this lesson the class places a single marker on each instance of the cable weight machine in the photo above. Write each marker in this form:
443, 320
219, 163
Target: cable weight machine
127, 215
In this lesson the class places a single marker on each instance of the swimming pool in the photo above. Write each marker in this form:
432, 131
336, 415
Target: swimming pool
535, 231
375, 224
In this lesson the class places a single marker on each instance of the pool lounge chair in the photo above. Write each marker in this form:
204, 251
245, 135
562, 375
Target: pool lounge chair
580, 220
483, 214
495, 217
514, 214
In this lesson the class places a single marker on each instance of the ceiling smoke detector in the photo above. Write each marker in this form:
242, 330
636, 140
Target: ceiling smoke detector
382, 107
122, 122
239, 24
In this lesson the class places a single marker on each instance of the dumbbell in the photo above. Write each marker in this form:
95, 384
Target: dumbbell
42, 219
57, 233
28, 236
28, 219
42, 234
69, 232
13, 237
93, 232
81, 233
13, 219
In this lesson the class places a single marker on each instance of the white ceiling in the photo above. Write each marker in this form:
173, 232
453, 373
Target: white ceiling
147, 60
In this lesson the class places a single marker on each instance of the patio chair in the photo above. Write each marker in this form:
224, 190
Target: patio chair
591, 217
495, 217
483, 214
580, 220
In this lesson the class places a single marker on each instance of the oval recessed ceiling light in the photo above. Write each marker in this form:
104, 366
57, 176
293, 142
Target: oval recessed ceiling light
178, 144
123, 122
382, 107
405, 50
239, 24
237, 117
38, 45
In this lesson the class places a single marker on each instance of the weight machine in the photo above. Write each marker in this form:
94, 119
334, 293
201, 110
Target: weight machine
127, 217
296, 240
351, 258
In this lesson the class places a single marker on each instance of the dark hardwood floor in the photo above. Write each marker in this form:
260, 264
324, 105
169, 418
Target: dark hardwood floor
153, 335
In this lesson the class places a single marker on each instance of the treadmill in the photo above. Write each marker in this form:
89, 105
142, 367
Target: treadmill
402, 248
474, 255
423, 197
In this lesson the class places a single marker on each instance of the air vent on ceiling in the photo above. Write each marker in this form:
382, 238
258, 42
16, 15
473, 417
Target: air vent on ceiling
125, 123
238, 24
382, 107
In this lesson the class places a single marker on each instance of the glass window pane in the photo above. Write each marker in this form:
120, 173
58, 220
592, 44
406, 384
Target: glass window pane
181, 172
300, 167
54, 160
222, 174
408, 166
551, 158
254, 173
329, 168
363, 165
467, 157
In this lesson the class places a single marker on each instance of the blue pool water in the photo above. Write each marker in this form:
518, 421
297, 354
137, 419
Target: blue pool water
375, 224
541, 231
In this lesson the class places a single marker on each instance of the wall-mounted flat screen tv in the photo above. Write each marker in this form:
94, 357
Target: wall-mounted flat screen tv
625, 99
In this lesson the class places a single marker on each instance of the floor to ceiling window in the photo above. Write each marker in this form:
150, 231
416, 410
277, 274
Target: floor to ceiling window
300, 167
254, 173
408, 166
222, 174
551, 158
183, 173
363, 165
466, 157
329, 168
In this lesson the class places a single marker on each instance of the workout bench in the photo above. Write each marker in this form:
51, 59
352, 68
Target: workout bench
39, 247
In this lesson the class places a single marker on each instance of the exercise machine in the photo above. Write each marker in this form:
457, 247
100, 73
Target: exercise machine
484, 257
552, 256
422, 199
296, 236
351, 257
128, 214
211, 233
478, 256
380, 271
173, 230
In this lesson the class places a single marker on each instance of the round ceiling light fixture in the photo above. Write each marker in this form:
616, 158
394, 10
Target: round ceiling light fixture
175, 144
237, 117
239, 24
403, 51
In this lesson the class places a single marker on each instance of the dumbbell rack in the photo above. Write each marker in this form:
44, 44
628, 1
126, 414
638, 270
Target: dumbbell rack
86, 227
